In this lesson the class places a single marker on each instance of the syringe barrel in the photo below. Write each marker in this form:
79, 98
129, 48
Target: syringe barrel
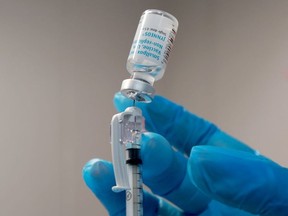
134, 195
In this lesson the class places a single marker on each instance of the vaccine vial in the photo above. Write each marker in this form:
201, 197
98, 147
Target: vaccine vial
152, 44
149, 53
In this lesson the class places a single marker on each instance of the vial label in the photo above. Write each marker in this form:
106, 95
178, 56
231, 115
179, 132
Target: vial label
152, 44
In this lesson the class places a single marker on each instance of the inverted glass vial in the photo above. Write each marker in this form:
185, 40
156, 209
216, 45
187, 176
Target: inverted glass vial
152, 44
150, 49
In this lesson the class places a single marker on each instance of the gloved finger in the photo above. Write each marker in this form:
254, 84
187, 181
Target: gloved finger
216, 208
99, 177
181, 128
165, 173
240, 179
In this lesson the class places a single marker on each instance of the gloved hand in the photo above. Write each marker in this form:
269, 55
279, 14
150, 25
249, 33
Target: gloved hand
196, 166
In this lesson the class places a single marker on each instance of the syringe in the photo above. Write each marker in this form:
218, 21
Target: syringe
126, 129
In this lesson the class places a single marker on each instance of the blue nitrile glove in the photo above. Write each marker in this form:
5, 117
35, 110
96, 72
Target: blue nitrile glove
197, 167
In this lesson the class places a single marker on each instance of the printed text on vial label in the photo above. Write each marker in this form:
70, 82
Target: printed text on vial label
150, 44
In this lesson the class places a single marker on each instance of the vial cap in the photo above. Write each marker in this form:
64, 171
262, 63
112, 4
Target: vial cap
138, 90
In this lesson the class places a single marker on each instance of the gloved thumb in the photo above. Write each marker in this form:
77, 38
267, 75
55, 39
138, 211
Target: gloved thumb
240, 179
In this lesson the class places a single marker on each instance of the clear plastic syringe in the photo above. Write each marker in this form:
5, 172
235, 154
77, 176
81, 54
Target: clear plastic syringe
126, 129
146, 63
